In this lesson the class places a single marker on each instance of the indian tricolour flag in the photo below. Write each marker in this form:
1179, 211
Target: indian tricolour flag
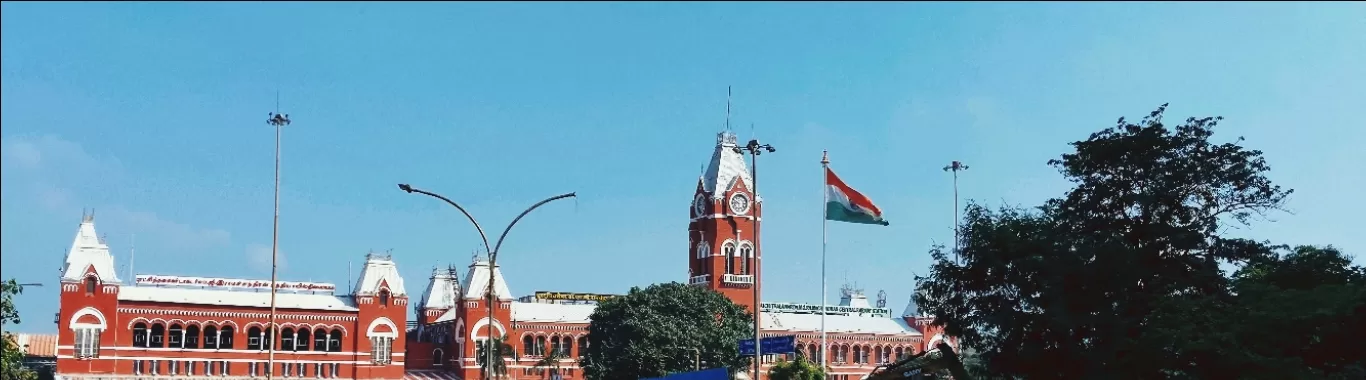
844, 204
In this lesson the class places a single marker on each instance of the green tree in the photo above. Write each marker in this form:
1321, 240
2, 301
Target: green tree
551, 362
11, 355
799, 369
659, 330
1096, 284
501, 350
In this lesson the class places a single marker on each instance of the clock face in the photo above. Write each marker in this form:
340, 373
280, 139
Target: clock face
699, 205
739, 203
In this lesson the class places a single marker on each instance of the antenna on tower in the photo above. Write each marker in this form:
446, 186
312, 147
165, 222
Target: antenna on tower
727, 108
132, 255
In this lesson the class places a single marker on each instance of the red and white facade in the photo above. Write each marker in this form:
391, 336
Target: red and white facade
178, 327
209, 328
722, 255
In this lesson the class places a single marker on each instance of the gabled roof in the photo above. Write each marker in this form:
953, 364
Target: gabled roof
235, 298
379, 270
551, 312
476, 282
88, 252
726, 168
837, 324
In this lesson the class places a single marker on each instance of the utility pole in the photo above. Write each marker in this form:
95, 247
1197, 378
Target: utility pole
955, 167
279, 121
754, 148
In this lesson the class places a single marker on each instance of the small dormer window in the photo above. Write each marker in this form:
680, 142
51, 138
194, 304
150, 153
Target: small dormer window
384, 297
91, 284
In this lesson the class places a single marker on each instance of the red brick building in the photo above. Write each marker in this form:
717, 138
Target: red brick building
721, 255
200, 328
215, 328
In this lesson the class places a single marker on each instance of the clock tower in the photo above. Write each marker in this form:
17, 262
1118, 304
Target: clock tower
723, 254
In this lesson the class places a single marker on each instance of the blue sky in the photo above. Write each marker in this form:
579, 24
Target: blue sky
153, 113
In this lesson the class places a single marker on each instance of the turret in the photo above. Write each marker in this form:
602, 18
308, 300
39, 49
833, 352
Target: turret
443, 290
723, 254
383, 302
89, 297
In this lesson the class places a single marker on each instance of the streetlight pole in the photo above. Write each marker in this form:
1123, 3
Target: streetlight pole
493, 259
754, 148
279, 121
955, 167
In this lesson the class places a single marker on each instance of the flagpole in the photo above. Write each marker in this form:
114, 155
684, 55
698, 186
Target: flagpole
825, 220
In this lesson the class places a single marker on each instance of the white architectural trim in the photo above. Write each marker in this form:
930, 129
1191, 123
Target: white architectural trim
84, 312
479, 327
370, 331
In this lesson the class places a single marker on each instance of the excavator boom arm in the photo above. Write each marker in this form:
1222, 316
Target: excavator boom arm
920, 365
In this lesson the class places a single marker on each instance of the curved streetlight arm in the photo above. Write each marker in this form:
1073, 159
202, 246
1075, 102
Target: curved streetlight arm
496, 247
410, 190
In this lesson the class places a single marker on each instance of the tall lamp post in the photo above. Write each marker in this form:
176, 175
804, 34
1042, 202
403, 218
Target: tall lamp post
493, 257
754, 148
955, 167
279, 121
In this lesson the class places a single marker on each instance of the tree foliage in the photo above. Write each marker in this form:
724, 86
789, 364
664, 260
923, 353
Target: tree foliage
1120, 277
799, 369
501, 350
664, 329
11, 355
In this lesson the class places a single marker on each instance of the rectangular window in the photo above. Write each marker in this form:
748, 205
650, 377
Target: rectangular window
380, 350
87, 343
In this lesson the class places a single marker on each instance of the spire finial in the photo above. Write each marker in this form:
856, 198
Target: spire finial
825, 157
727, 108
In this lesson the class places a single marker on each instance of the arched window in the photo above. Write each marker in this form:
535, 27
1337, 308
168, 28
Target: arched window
857, 355
703, 250
746, 254
225, 337
583, 346
176, 337
91, 284
301, 342
192, 336
438, 357
334, 341
540, 346
384, 298
210, 337
254, 338
287, 339
140, 334
158, 334
319, 340
528, 345
87, 342
728, 251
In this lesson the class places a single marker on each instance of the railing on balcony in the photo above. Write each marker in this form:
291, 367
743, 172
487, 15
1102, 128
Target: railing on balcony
698, 280
738, 279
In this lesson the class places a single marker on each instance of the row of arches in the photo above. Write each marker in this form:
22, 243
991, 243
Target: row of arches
858, 353
563, 345
739, 257
214, 336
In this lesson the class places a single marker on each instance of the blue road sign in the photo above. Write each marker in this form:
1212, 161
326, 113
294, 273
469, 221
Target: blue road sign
770, 345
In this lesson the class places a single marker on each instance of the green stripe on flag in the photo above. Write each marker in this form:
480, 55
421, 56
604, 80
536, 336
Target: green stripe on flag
837, 212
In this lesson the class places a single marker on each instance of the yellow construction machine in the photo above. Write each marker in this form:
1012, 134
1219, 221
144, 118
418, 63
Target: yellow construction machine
926, 365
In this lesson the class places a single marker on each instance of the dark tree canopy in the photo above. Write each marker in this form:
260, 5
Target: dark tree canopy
1119, 278
662, 329
11, 355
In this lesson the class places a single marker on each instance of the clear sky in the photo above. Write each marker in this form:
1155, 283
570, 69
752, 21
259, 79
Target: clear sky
154, 114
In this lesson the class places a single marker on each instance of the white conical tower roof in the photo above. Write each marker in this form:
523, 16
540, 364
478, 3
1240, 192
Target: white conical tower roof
379, 270
441, 291
89, 252
726, 168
